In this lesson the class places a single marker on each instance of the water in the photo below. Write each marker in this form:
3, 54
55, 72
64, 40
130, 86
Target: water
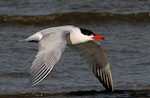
124, 24
44, 7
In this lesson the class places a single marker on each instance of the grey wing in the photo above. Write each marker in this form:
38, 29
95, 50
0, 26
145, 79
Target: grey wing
97, 59
50, 50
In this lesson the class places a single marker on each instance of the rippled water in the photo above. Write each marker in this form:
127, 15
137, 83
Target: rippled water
44, 7
124, 24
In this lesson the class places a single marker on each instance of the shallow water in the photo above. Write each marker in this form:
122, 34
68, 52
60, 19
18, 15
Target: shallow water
127, 46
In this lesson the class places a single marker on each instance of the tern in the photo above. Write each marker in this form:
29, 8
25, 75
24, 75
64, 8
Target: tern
53, 41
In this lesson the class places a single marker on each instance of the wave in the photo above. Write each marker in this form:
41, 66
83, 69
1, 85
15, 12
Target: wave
80, 17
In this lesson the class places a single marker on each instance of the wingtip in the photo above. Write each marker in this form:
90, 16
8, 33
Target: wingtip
110, 86
105, 77
111, 89
30, 84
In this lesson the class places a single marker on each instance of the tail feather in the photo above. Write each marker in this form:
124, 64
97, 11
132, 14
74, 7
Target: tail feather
34, 38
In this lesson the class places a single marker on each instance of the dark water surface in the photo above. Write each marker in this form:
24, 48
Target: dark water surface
124, 24
45, 7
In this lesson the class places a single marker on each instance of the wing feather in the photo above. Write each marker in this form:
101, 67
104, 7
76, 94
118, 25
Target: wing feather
50, 50
98, 62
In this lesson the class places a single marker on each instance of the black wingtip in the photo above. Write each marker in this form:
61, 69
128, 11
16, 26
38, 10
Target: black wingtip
111, 89
104, 76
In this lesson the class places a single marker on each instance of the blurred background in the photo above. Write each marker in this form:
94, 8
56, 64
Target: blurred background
125, 24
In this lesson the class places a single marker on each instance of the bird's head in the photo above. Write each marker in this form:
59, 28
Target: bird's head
80, 35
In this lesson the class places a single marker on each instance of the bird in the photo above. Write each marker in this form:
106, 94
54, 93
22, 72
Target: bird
53, 41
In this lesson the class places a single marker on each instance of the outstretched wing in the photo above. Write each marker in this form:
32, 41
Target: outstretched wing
97, 59
50, 49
